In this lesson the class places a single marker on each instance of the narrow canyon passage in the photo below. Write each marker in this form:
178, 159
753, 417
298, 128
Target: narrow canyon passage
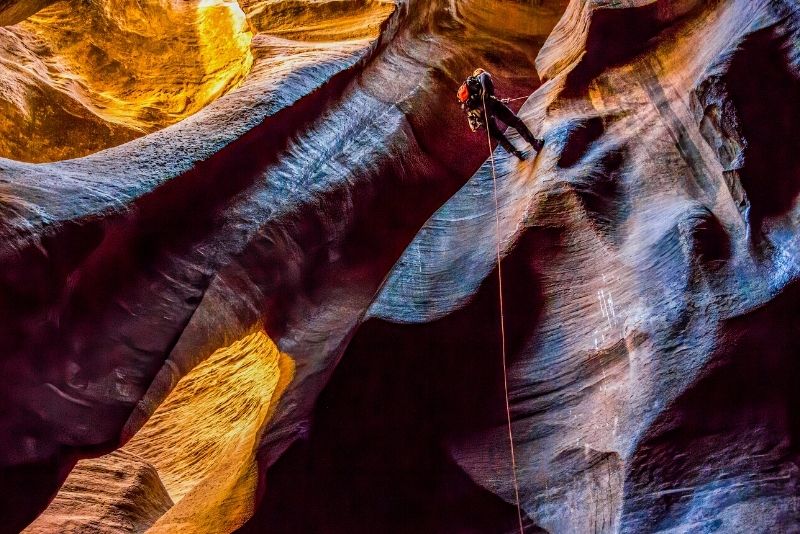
377, 451
281, 226
272, 304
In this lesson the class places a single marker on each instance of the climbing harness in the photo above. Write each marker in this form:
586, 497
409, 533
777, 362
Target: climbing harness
503, 324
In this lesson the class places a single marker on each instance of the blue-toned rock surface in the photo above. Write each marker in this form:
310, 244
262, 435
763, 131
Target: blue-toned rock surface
337, 200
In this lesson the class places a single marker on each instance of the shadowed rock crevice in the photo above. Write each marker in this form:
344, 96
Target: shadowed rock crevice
374, 458
41, 482
578, 140
711, 244
719, 125
728, 448
771, 168
376, 453
603, 195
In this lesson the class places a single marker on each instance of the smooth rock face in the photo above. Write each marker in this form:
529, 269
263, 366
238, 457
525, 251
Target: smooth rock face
327, 231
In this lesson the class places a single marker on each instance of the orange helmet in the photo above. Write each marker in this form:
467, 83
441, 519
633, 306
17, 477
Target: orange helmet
478, 71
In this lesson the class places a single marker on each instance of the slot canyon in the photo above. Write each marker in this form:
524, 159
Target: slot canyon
258, 275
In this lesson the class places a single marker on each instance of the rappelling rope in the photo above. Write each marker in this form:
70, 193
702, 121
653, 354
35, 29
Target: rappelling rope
513, 99
503, 320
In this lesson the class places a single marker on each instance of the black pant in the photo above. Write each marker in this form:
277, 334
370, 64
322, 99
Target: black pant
499, 110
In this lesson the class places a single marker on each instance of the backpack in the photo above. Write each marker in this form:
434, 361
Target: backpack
471, 88
463, 93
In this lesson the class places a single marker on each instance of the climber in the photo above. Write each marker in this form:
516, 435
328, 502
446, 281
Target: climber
477, 91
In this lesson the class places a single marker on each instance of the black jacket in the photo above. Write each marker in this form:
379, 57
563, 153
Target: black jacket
480, 88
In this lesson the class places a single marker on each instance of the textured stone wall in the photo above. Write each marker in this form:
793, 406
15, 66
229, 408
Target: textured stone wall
336, 204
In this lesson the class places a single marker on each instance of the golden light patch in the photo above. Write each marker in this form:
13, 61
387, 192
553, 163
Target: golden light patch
203, 437
319, 21
144, 64
198, 451
224, 45
82, 76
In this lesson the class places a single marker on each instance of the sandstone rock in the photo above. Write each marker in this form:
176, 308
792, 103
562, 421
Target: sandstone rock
14, 11
67, 403
649, 276
119, 492
116, 380
83, 76
198, 447
653, 262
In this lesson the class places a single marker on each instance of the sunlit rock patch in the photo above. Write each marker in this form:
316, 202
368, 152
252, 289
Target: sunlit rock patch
79, 76
196, 451
119, 492
323, 21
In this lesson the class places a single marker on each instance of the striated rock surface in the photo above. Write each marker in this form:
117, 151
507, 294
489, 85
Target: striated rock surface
14, 11
650, 270
68, 404
313, 253
202, 437
82, 76
198, 447
120, 492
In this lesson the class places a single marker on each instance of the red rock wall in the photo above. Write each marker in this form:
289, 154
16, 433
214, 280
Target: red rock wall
650, 263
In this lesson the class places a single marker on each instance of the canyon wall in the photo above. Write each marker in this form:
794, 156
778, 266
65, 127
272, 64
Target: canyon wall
270, 301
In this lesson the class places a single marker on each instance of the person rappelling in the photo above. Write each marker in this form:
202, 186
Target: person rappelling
477, 99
